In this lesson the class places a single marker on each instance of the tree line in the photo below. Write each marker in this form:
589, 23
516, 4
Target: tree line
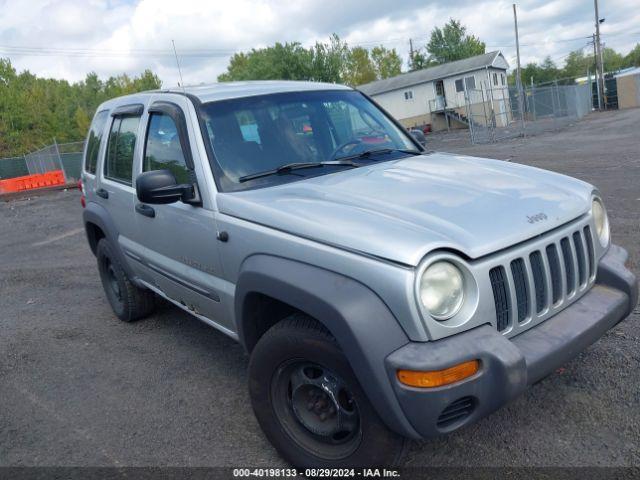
34, 111
333, 62
446, 44
336, 62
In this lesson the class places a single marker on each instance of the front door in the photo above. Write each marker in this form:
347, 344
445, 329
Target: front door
177, 245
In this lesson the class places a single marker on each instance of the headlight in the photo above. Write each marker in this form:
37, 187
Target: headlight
601, 221
442, 290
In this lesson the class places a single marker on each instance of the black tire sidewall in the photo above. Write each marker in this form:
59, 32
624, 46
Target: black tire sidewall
378, 446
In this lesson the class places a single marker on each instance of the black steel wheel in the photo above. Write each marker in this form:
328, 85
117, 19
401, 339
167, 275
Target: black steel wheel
316, 408
127, 301
310, 404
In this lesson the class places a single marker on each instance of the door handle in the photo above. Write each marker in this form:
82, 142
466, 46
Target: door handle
145, 210
101, 192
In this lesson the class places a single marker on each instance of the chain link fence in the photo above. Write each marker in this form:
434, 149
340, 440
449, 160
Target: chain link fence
490, 114
58, 156
493, 113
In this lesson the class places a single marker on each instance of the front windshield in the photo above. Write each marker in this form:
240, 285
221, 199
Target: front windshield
257, 134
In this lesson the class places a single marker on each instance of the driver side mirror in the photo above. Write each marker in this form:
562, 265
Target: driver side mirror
160, 187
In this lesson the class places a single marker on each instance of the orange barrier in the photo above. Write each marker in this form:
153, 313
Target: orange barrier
29, 182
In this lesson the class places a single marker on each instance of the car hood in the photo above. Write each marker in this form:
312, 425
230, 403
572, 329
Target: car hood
401, 210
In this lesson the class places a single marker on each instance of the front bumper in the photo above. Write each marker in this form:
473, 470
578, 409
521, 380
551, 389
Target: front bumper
508, 366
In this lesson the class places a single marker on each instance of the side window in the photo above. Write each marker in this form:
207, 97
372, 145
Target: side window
163, 150
94, 140
122, 144
459, 85
495, 79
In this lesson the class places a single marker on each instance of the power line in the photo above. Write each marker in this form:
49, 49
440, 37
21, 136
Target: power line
84, 49
556, 58
85, 52
101, 53
541, 42
615, 34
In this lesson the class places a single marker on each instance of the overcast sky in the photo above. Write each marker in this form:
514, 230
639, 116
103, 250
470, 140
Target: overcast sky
68, 38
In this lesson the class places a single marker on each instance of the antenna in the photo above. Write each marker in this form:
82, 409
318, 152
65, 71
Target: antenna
178, 64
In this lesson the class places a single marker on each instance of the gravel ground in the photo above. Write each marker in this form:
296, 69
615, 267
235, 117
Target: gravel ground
78, 387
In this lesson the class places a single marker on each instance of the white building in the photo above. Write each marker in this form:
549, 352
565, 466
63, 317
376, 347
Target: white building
446, 95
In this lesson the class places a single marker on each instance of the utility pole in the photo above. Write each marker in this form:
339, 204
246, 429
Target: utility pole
595, 58
518, 71
599, 59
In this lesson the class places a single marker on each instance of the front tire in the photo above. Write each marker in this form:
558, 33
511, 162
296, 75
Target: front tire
310, 404
128, 302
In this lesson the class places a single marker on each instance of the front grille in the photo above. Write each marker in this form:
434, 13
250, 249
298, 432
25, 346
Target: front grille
542, 279
455, 412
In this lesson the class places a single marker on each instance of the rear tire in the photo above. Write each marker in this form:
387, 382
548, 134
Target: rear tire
310, 404
128, 302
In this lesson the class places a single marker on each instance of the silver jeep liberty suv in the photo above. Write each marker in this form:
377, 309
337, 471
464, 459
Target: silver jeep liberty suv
382, 292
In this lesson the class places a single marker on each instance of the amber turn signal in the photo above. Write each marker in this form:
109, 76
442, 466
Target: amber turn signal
438, 378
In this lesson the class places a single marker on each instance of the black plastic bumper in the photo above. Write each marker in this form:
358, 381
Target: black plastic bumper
508, 366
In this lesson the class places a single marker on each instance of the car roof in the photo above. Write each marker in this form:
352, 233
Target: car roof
226, 90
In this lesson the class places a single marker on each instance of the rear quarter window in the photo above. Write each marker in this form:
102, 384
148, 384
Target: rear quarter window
94, 140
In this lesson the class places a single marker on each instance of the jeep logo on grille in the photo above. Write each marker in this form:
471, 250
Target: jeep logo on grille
538, 217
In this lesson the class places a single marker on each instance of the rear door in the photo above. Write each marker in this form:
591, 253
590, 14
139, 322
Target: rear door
176, 245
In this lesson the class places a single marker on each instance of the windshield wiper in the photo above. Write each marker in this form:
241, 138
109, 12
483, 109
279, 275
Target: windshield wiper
289, 167
379, 151
340, 162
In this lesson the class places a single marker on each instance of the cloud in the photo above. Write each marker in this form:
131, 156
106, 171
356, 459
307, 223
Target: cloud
120, 36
